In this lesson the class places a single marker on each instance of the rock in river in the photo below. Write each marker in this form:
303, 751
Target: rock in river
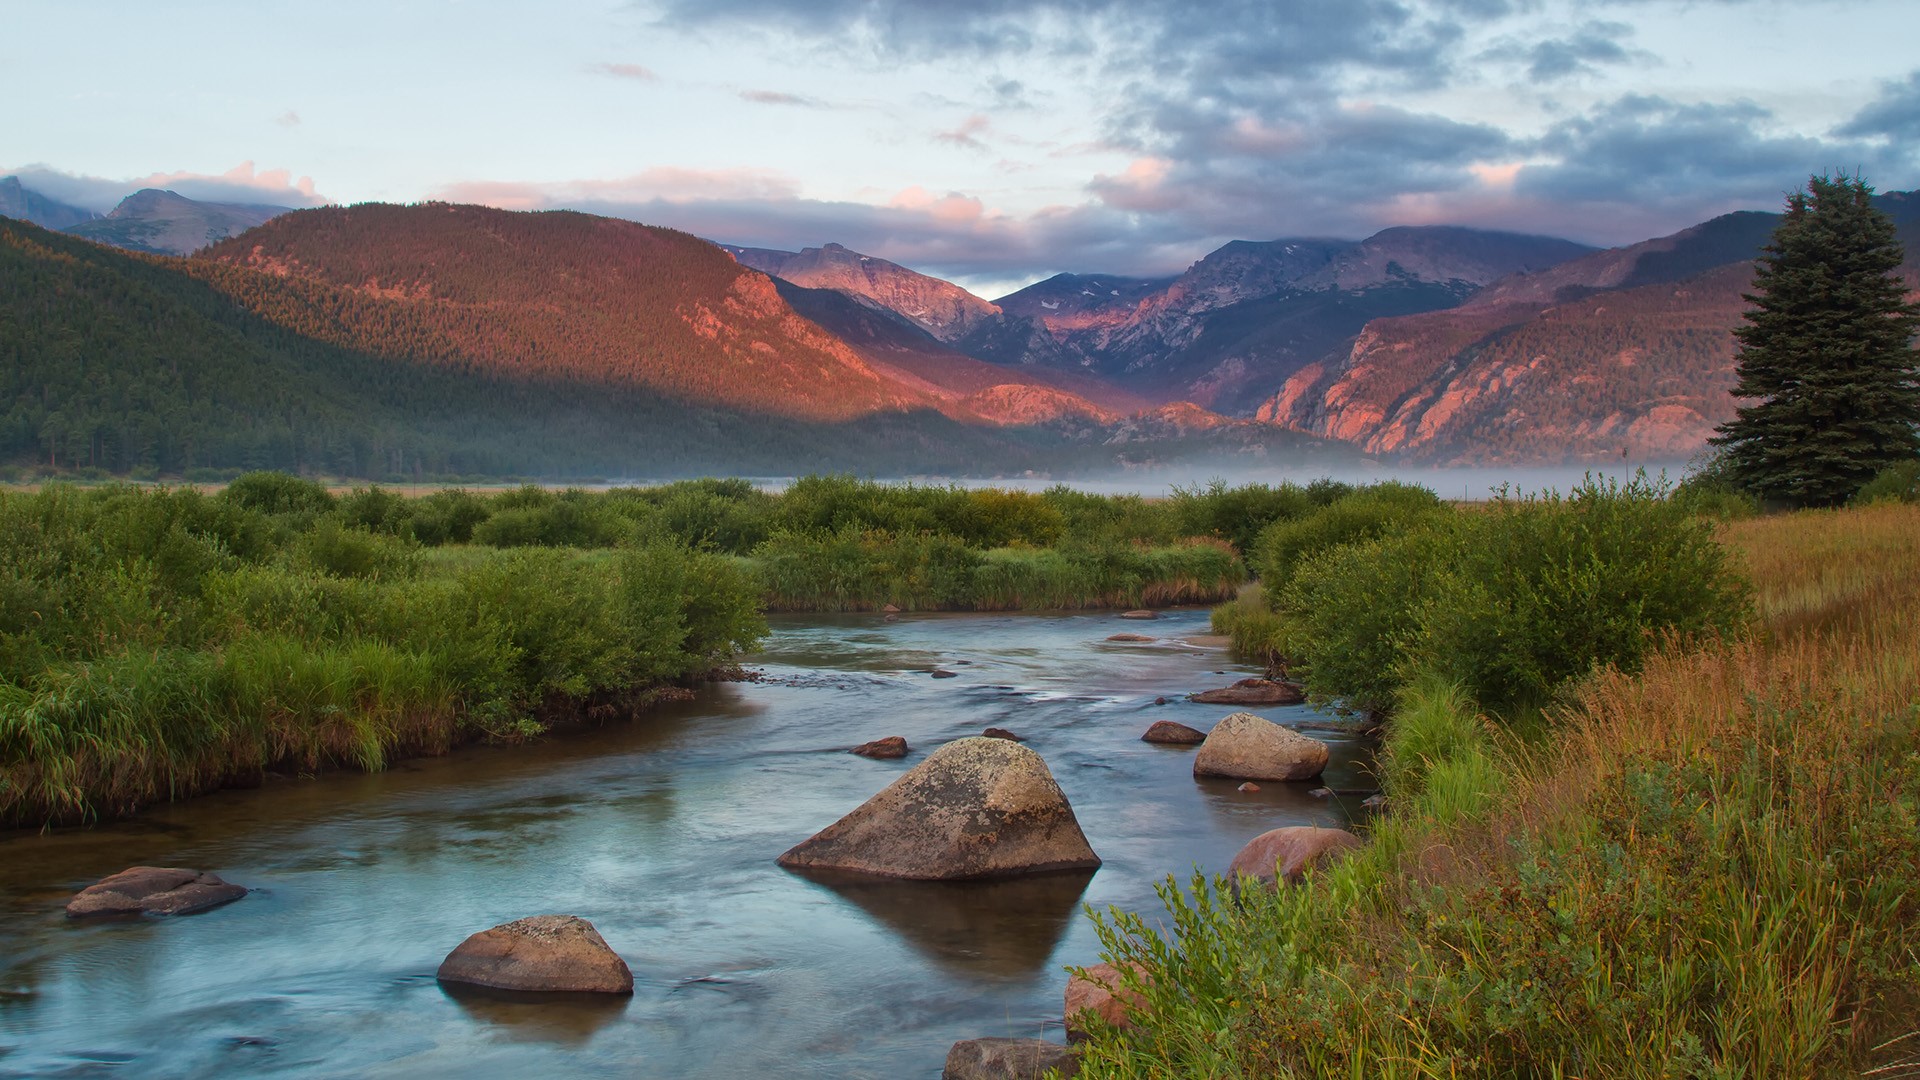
893, 746
1139, 613
153, 890
1131, 637
1001, 733
1247, 747
1254, 692
1101, 993
1171, 734
1288, 852
1007, 1059
976, 808
543, 953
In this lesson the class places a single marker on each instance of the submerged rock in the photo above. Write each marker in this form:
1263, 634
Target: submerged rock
1285, 854
1139, 613
153, 890
975, 808
1100, 993
1249, 787
1008, 1059
893, 746
541, 953
890, 609
1001, 733
943, 673
1246, 747
1169, 733
1131, 637
1253, 692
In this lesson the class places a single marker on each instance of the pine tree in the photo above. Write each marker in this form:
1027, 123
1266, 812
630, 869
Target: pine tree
1826, 354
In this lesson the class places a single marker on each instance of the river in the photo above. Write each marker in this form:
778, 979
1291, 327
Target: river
664, 834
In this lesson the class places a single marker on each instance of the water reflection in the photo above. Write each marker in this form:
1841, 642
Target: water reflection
561, 1019
973, 929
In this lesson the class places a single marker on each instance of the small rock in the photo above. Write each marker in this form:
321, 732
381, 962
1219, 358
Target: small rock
1102, 993
541, 953
1159, 701
1130, 637
1254, 692
890, 610
943, 673
1001, 733
893, 746
153, 890
1008, 1059
975, 808
1289, 852
1139, 613
891, 618
1249, 787
1247, 747
1168, 733
1318, 793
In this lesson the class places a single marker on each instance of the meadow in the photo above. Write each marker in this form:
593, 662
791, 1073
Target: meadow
158, 643
1653, 807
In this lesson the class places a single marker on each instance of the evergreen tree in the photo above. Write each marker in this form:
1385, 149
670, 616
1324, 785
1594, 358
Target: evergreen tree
1826, 353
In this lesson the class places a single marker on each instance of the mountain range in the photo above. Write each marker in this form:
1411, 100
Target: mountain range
465, 339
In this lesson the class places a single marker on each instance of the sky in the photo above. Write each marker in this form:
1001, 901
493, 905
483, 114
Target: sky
991, 142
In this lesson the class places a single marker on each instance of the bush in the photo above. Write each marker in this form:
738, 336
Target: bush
1237, 514
1896, 483
447, 517
278, 493
1361, 515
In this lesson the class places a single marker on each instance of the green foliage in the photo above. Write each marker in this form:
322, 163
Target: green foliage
1826, 354
1362, 514
1896, 483
1238, 514
158, 643
268, 492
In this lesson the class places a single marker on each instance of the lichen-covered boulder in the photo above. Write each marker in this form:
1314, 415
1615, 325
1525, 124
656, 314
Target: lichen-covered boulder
541, 953
1285, 854
1247, 747
1103, 993
975, 808
1168, 733
153, 890
1254, 692
1008, 1059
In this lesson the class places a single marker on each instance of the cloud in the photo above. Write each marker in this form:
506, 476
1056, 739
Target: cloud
967, 134
635, 72
656, 186
776, 97
1894, 115
241, 184
1582, 51
288, 119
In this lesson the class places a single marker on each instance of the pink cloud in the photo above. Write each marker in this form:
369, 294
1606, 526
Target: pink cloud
625, 71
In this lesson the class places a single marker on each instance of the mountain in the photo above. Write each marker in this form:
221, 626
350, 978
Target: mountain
941, 308
1250, 314
1626, 353
166, 223
382, 340
19, 202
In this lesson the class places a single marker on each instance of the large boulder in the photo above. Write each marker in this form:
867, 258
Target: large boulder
1169, 733
1101, 993
1285, 854
542, 953
153, 890
975, 808
1253, 692
1007, 1059
1247, 747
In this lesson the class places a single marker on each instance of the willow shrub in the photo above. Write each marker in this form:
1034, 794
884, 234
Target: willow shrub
1363, 514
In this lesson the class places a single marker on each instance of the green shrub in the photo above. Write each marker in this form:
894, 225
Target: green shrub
278, 493
1896, 483
377, 509
1237, 514
349, 551
448, 517
1364, 514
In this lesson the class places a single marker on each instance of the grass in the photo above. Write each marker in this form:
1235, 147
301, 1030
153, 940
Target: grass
1709, 867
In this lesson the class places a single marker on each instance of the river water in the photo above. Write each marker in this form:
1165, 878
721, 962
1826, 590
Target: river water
664, 834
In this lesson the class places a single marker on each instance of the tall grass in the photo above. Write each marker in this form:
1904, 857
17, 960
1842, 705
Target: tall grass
1707, 866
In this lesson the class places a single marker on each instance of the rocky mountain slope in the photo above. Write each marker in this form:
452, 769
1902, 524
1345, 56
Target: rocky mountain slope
166, 223
941, 308
1624, 354
24, 204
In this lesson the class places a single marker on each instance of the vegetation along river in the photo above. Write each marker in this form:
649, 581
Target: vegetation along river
664, 834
